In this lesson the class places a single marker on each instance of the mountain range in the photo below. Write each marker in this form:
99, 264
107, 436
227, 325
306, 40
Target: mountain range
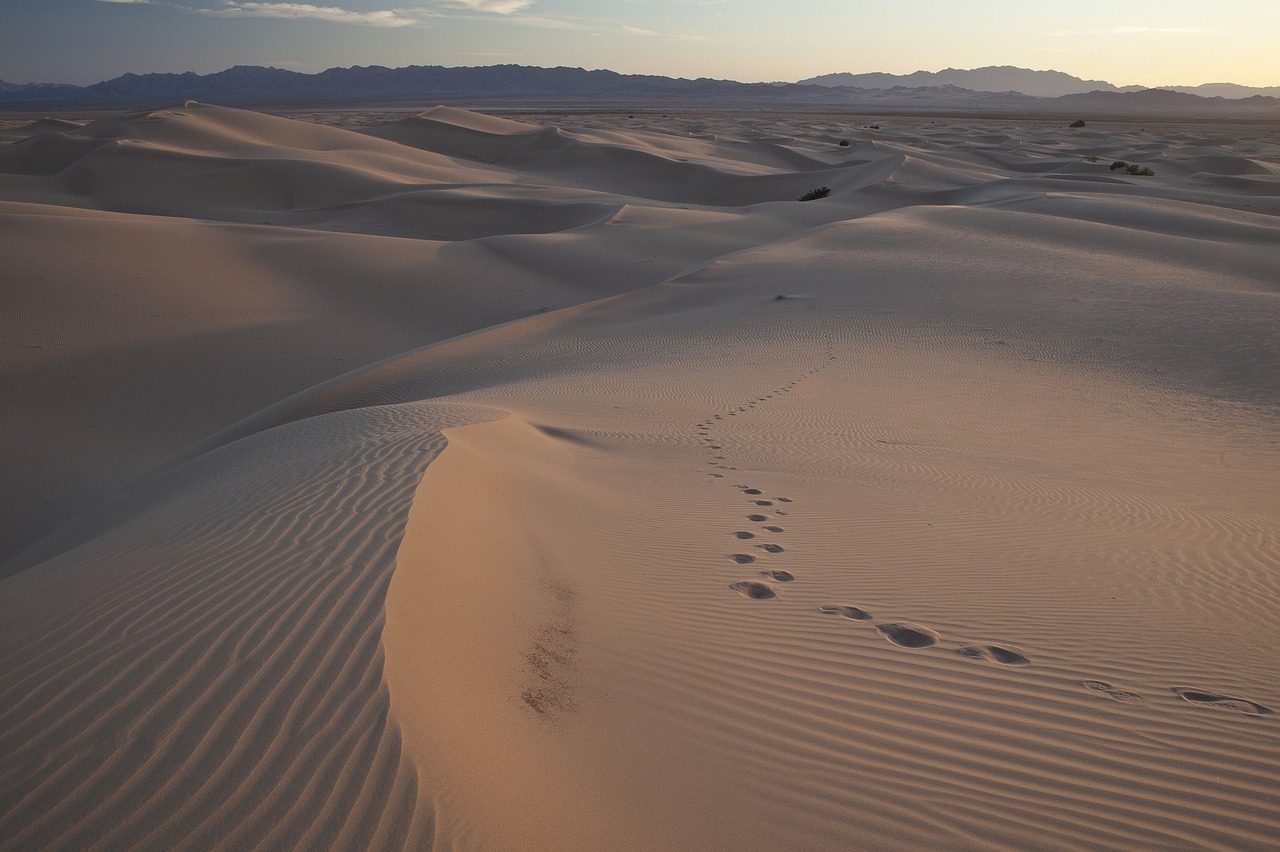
1041, 84
994, 89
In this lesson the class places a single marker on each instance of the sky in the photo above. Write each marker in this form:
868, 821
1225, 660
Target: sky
1143, 42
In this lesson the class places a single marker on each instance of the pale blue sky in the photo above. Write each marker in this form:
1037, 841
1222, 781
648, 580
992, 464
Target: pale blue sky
1172, 42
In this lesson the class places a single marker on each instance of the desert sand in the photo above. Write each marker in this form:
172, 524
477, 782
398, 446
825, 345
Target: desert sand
563, 483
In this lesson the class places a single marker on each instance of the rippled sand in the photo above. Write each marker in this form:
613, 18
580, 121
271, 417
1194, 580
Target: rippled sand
470, 483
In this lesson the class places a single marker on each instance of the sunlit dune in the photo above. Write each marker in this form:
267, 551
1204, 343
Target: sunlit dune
475, 482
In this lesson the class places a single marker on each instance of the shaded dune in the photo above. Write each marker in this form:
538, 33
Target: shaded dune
229, 691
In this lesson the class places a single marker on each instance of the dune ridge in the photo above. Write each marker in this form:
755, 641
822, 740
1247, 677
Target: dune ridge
482, 483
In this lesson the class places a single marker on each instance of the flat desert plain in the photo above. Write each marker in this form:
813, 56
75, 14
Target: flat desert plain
564, 483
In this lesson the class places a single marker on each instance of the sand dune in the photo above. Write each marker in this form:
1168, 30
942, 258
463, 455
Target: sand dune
475, 483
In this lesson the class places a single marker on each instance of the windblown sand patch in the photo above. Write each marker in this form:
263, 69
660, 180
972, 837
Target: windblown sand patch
648, 507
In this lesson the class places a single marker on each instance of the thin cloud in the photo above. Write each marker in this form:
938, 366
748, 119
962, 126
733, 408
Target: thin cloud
496, 7
544, 23
641, 32
1128, 29
307, 11
133, 2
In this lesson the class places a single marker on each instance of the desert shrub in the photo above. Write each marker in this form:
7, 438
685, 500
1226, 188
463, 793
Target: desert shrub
1092, 158
844, 143
819, 192
1079, 122
1131, 168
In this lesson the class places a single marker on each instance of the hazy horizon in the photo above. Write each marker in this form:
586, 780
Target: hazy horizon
1178, 43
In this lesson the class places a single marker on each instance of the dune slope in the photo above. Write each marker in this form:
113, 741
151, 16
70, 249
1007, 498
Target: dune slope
647, 507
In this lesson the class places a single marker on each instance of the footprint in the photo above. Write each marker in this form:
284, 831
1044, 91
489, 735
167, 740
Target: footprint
850, 612
774, 529
744, 534
780, 576
752, 491
753, 590
770, 548
1124, 696
994, 653
763, 502
785, 500
757, 517
742, 558
1223, 702
908, 635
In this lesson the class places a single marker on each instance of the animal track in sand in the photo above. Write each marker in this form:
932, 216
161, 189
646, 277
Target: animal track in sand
742, 558
994, 654
763, 502
743, 534
907, 635
852, 613
757, 517
770, 548
1205, 698
773, 529
752, 491
780, 576
1124, 696
754, 590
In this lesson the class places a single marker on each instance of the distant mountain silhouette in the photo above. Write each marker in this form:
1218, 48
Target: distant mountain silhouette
1227, 90
246, 83
1011, 90
1008, 78
1001, 78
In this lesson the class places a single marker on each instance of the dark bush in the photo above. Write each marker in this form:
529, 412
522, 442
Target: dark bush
820, 192
1079, 122
844, 143
1131, 168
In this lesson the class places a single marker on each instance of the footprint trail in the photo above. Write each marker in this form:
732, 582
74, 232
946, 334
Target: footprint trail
764, 509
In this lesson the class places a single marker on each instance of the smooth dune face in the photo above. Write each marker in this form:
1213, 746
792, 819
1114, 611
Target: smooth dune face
471, 483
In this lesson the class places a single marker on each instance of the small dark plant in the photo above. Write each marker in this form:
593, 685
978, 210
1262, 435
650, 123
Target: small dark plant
813, 194
844, 143
1131, 168
1079, 122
